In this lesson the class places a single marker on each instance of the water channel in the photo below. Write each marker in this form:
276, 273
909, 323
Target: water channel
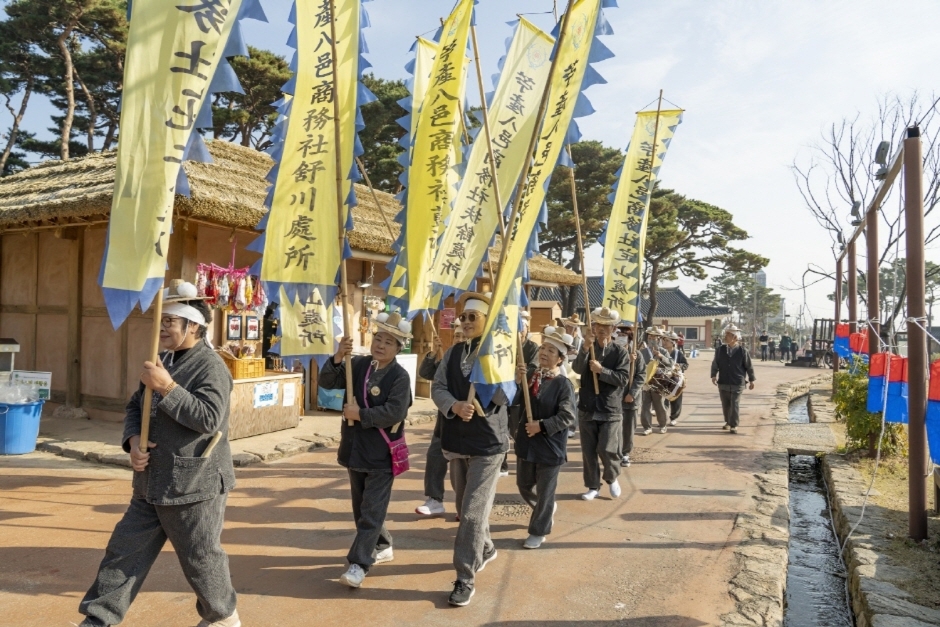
816, 591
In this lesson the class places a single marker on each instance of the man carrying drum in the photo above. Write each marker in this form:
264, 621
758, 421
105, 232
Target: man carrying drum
671, 344
653, 400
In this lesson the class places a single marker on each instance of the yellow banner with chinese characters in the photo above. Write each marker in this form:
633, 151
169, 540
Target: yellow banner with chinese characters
573, 52
496, 366
625, 237
512, 118
306, 329
430, 181
301, 243
173, 50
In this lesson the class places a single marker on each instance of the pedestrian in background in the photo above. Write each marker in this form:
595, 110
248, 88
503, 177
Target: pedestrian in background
731, 370
772, 346
762, 339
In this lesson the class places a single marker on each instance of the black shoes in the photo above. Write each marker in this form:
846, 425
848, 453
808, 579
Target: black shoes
463, 592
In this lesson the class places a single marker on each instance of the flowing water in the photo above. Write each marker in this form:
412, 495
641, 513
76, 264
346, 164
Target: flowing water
816, 593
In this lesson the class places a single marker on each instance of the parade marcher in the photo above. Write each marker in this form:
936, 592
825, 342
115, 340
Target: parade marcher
671, 344
632, 397
435, 467
541, 445
572, 327
600, 414
763, 339
530, 356
382, 397
731, 365
653, 401
473, 444
181, 484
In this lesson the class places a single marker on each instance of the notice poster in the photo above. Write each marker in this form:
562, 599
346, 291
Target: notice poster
447, 318
39, 381
290, 394
265, 394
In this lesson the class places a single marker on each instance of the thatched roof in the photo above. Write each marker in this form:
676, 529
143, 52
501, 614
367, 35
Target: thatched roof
229, 192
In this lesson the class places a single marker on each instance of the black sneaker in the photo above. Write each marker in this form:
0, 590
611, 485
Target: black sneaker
463, 592
487, 558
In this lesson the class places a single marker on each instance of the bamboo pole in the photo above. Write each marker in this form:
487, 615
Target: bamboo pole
154, 356
649, 201
341, 223
584, 284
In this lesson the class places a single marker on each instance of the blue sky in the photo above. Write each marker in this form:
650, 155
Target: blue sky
759, 81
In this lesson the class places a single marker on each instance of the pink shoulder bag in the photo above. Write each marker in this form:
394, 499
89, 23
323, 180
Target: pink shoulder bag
398, 448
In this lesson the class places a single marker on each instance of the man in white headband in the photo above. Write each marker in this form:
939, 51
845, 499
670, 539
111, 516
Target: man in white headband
181, 483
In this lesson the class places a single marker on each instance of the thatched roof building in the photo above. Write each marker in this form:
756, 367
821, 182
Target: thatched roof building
229, 192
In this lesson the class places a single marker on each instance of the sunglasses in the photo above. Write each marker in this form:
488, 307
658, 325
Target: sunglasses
472, 317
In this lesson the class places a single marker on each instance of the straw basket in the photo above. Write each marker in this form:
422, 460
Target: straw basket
249, 368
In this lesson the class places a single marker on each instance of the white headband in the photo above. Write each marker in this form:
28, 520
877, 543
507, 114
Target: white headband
473, 304
185, 311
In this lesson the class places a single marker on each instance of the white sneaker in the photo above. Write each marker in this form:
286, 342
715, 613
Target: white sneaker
726, 427
503, 473
432, 508
673, 423
615, 489
589, 495
663, 429
533, 542
353, 576
385, 555
647, 431
231, 621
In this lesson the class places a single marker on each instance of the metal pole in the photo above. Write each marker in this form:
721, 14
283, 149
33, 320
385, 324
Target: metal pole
337, 139
874, 300
853, 287
916, 338
838, 312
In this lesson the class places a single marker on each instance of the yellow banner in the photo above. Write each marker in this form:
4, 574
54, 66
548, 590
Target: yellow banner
173, 50
302, 235
306, 328
512, 117
497, 361
571, 65
430, 183
625, 238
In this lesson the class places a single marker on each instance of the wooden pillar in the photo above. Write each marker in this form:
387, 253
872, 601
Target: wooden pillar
852, 287
182, 262
73, 384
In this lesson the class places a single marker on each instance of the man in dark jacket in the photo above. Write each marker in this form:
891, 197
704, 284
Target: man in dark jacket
731, 365
633, 394
474, 439
541, 445
600, 413
382, 393
181, 480
435, 468
530, 356
676, 354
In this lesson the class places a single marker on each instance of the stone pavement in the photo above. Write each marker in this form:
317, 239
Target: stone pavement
661, 556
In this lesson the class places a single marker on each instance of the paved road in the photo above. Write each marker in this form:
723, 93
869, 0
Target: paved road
659, 556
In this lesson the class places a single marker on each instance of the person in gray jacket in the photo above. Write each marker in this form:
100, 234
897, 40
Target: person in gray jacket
653, 400
382, 397
435, 467
541, 445
474, 442
732, 370
530, 355
181, 483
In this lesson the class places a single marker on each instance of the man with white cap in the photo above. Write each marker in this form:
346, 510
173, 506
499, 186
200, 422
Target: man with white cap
530, 356
474, 439
652, 399
181, 483
732, 363
382, 397
600, 413
541, 445
672, 348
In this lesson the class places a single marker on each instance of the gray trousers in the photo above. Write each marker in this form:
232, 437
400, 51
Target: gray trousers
474, 481
371, 493
435, 469
629, 425
544, 479
516, 413
653, 401
600, 440
731, 405
194, 529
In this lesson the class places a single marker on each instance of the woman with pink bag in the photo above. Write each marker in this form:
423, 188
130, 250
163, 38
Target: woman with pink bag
373, 449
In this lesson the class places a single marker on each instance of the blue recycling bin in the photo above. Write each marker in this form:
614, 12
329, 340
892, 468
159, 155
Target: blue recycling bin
19, 427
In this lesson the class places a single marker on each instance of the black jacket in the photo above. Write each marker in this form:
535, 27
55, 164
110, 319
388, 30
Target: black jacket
361, 446
732, 366
554, 409
612, 381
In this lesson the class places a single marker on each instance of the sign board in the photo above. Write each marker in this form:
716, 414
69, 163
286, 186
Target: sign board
265, 394
39, 381
290, 394
447, 318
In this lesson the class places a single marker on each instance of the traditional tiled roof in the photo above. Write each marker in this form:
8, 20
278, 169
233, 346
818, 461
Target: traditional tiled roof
671, 301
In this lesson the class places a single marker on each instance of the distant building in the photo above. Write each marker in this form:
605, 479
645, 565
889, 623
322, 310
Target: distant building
674, 310
761, 277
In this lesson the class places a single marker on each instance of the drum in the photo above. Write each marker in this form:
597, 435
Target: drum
667, 382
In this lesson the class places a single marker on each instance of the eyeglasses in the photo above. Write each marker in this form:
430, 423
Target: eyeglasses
167, 322
472, 317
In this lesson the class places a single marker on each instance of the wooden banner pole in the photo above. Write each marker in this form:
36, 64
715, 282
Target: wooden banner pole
147, 404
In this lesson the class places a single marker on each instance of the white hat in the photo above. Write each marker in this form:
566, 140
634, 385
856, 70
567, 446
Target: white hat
394, 325
560, 340
605, 316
